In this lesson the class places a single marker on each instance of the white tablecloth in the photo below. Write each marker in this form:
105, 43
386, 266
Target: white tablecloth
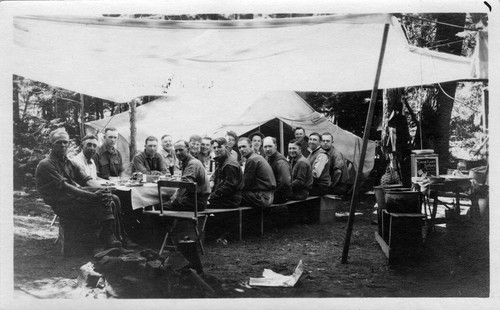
146, 195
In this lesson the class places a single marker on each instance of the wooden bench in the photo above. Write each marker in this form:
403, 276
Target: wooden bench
240, 210
327, 206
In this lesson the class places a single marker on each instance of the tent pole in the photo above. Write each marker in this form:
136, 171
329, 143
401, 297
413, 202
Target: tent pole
282, 143
366, 135
82, 115
133, 130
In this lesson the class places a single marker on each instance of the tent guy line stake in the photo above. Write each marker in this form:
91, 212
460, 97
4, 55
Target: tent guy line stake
366, 135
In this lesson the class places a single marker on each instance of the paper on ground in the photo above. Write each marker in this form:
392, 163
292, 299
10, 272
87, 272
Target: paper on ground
271, 278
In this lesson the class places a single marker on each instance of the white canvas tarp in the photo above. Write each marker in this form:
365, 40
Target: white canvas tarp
204, 113
120, 59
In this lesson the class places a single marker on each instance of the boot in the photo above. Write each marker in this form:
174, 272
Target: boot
128, 243
107, 235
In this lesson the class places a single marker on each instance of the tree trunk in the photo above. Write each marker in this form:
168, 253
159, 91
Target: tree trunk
446, 33
133, 130
15, 102
389, 97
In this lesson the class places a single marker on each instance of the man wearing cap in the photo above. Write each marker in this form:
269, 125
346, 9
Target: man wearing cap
301, 171
281, 170
192, 171
107, 158
320, 166
62, 185
227, 178
258, 178
86, 163
149, 161
300, 135
231, 138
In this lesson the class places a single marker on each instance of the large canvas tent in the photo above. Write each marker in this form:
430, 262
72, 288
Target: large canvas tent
267, 115
205, 112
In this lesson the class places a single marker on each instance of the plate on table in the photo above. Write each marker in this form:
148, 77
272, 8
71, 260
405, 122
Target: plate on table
106, 183
134, 184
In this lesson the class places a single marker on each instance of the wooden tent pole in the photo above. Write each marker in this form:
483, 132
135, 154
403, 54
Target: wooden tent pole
82, 115
366, 135
133, 130
282, 136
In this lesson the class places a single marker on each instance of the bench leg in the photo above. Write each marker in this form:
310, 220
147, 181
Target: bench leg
240, 223
262, 221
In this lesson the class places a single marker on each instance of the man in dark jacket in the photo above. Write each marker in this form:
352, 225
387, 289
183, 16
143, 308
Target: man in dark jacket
281, 169
320, 166
301, 171
192, 171
227, 178
336, 161
258, 178
300, 136
149, 161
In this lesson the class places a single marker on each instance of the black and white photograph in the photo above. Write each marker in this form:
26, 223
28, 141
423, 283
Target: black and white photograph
281, 155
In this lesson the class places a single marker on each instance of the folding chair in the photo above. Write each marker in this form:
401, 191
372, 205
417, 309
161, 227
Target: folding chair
192, 216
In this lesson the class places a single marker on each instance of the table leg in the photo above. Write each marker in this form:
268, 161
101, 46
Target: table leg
457, 202
434, 197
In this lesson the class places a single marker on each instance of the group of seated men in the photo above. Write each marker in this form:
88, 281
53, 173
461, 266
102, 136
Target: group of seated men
229, 171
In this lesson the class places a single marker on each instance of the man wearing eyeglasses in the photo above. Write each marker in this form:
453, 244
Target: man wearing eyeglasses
73, 194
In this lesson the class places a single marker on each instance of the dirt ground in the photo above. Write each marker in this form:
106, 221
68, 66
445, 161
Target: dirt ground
454, 261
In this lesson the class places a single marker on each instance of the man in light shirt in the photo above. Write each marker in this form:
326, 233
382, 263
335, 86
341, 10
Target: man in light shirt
168, 153
84, 159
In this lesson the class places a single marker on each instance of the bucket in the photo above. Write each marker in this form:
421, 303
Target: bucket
402, 201
483, 206
380, 193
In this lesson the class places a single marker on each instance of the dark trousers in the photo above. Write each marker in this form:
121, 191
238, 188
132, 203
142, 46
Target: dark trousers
318, 190
186, 203
299, 194
257, 199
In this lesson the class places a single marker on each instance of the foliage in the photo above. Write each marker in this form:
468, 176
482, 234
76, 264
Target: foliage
466, 122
